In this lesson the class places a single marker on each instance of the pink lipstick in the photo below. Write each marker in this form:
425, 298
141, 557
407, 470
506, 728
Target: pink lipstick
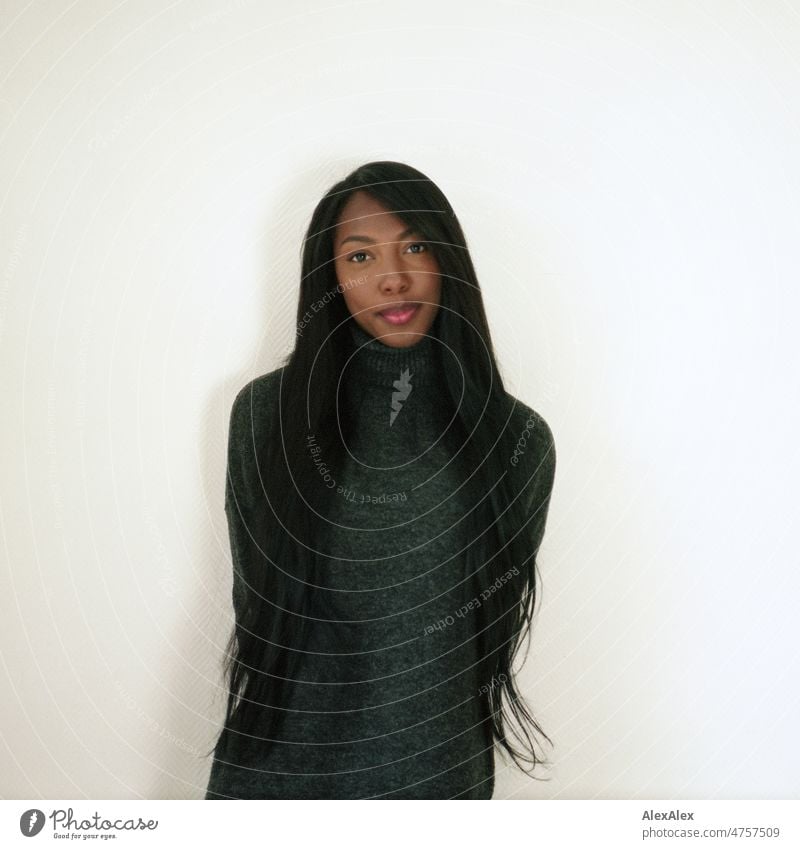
401, 314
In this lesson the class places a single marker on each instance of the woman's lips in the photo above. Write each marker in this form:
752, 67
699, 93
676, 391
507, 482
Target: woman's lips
399, 315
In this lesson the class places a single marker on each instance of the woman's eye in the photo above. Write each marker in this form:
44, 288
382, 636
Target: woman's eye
353, 256
421, 245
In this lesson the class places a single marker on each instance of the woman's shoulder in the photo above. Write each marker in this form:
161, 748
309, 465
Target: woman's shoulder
255, 402
525, 415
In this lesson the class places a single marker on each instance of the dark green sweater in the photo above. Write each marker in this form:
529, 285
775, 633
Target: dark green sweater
388, 702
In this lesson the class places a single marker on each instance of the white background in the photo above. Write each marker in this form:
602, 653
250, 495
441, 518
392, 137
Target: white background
627, 175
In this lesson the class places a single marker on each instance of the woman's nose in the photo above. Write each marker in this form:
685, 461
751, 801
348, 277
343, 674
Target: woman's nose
393, 281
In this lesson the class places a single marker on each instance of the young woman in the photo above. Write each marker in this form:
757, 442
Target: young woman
386, 499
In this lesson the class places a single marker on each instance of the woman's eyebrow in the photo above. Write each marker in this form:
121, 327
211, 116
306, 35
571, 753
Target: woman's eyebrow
409, 231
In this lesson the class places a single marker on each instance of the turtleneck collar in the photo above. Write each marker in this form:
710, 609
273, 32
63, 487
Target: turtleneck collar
383, 364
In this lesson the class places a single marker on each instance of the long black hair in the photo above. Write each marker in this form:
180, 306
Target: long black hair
283, 565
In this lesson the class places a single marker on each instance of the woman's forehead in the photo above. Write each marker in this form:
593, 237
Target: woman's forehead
365, 219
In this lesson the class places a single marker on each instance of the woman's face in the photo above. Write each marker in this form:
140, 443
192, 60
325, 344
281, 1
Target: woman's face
390, 281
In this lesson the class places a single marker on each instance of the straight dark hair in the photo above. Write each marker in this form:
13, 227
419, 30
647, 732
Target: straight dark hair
282, 564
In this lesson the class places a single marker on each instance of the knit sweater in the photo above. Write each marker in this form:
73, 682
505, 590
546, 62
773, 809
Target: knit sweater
387, 701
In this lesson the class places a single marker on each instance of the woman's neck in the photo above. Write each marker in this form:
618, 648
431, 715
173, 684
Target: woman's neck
377, 363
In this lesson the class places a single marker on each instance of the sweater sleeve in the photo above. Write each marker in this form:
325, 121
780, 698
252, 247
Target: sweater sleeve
237, 535
248, 426
536, 464
539, 505
238, 495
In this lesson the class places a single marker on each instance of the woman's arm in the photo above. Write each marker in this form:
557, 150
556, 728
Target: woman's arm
240, 540
238, 492
248, 427
542, 486
534, 466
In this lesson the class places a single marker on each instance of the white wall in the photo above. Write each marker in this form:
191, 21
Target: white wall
627, 176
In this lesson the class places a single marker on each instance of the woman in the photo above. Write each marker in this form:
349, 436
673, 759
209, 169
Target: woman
386, 498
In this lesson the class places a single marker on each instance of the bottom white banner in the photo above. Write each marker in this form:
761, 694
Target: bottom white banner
548, 823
